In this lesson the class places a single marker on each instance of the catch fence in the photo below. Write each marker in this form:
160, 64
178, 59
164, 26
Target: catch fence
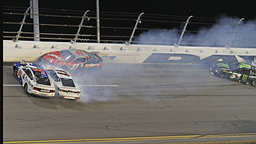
130, 28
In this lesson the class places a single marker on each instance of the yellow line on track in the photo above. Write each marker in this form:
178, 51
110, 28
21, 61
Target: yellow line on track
134, 138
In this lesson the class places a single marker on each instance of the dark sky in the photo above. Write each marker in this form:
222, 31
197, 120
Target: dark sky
200, 8
208, 10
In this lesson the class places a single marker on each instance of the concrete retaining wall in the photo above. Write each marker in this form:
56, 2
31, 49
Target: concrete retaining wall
121, 53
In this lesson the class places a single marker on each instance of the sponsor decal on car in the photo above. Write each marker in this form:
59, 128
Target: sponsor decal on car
45, 90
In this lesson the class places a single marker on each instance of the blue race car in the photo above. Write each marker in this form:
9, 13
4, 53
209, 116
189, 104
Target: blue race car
33, 79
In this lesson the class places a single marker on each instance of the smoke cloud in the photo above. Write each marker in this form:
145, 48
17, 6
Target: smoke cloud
91, 88
225, 33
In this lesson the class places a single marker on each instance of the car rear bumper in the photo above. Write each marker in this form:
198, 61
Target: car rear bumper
69, 95
43, 94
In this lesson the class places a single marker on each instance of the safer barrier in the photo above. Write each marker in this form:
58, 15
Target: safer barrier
121, 53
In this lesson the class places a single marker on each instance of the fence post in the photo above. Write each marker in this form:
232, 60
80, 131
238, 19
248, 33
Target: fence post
184, 29
21, 24
81, 24
135, 27
231, 41
36, 20
98, 20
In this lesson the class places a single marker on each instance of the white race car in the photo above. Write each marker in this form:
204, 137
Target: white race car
63, 82
34, 79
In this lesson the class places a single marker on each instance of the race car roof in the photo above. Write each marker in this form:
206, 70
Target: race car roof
36, 68
63, 74
79, 53
60, 72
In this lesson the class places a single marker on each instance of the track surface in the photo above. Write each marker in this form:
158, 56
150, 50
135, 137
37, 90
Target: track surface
133, 100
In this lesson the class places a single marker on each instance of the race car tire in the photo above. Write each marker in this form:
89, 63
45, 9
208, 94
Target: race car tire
211, 70
231, 77
26, 88
15, 72
254, 83
224, 75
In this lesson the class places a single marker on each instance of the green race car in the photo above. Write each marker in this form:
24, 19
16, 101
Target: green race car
224, 70
244, 75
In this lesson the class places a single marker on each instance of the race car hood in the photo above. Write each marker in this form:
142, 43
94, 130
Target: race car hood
223, 65
54, 57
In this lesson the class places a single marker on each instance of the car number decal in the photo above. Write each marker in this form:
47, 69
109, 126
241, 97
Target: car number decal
74, 66
44, 90
20, 72
79, 52
243, 65
244, 78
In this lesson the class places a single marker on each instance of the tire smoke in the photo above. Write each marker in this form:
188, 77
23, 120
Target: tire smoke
92, 86
225, 33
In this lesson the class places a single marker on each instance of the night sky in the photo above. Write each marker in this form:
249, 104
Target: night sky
175, 11
200, 8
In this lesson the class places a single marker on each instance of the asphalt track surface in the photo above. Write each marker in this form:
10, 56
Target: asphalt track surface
141, 103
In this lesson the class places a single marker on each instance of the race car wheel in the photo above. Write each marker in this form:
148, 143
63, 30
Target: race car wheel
254, 83
26, 88
223, 75
211, 70
15, 72
232, 77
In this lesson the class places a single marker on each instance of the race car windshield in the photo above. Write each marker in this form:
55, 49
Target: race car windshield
67, 55
37, 73
53, 75
80, 60
67, 82
43, 80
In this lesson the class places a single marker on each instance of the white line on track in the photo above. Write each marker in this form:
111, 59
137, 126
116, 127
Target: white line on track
17, 85
99, 85
11, 85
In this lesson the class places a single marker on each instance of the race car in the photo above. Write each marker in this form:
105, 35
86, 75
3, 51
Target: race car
244, 75
224, 70
72, 59
221, 69
63, 82
33, 79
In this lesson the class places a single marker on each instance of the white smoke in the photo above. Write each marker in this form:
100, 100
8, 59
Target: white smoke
93, 84
91, 88
225, 33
